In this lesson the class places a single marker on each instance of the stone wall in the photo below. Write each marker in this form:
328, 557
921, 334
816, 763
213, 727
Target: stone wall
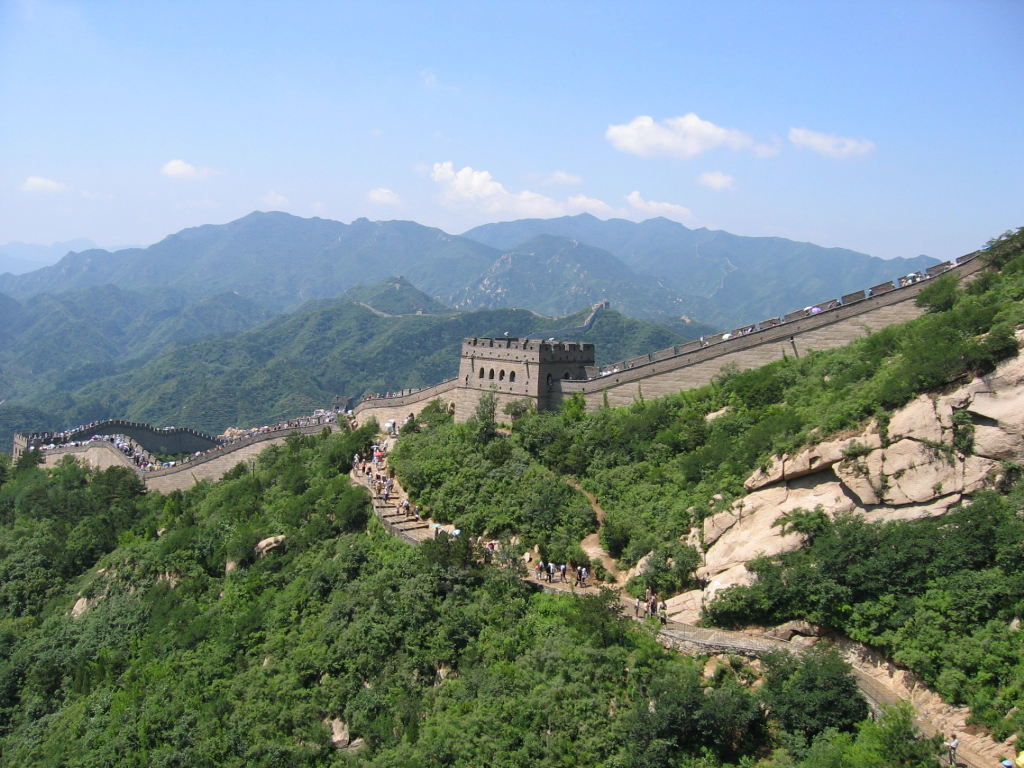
98, 454
694, 366
170, 440
399, 408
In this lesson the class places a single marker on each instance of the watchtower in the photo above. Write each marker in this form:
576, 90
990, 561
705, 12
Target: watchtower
517, 369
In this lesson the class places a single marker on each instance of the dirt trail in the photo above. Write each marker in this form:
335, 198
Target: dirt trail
592, 543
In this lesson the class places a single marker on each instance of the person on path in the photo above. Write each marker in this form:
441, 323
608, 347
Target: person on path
540, 568
636, 609
952, 745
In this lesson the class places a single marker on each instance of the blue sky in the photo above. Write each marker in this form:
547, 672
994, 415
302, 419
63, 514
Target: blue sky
893, 128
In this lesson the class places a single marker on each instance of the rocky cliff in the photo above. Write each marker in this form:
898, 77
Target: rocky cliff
934, 453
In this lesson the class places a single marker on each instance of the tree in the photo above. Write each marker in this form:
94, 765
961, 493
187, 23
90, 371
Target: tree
810, 692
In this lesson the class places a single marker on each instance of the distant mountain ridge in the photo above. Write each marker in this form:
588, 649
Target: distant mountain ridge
654, 269
730, 279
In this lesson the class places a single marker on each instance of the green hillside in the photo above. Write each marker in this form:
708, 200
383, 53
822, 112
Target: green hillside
126, 639
292, 364
395, 296
941, 596
552, 275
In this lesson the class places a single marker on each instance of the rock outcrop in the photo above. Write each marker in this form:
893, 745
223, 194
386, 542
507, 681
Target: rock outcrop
935, 452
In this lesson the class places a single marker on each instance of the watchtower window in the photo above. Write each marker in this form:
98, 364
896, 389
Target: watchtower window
491, 374
501, 376
512, 376
481, 373
549, 379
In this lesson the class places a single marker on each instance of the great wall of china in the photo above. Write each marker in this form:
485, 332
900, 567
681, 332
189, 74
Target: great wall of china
827, 325
544, 373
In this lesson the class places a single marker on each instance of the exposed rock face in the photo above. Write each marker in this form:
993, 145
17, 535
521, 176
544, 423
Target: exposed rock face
268, 545
918, 473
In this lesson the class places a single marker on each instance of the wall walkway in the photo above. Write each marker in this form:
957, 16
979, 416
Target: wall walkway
833, 323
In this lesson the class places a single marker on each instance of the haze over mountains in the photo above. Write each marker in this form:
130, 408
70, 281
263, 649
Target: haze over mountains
271, 314
653, 269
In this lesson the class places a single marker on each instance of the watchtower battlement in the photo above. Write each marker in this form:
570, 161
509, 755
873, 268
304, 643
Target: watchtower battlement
517, 369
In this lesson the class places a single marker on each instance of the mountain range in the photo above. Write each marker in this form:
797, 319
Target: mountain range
362, 341
652, 269
271, 314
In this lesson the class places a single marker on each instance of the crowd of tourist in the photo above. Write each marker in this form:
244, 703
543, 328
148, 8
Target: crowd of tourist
135, 452
651, 605
147, 463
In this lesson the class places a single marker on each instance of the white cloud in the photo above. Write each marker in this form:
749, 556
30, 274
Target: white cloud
383, 196
479, 189
179, 169
429, 78
829, 144
562, 178
680, 137
716, 180
584, 204
273, 199
39, 184
668, 210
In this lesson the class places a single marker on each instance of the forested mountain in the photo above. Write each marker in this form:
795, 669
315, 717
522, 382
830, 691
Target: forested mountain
655, 269
740, 279
548, 274
284, 367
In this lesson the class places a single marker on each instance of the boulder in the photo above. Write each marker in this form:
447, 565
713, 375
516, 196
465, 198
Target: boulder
268, 545
685, 607
817, 458
917, 421
763, 477
638, 569
978, 473
862, 477
916, 473
996, 443
340, 737
716, 525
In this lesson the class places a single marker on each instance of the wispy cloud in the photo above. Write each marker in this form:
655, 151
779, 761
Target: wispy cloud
383, 196
680, 137
653, 208
561, 178
273, 199
39, 184
830, 145
716, 180
179, 169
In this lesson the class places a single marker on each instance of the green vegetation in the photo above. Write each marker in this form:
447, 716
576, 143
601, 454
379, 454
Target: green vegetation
186, 647
937, 595
285, 367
